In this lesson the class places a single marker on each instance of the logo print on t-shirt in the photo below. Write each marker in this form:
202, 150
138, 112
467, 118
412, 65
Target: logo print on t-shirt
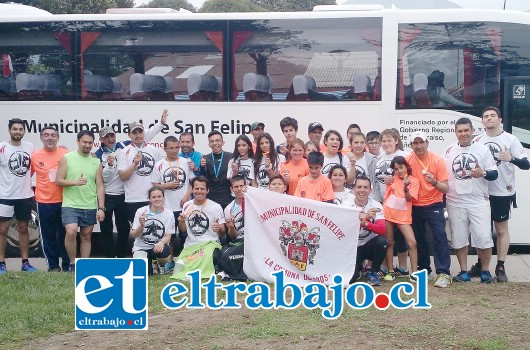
145, 168
462, 166
244, 170
19, 163
198, 223
359, 171
153, 231
495, 149
239, 221
381, 171
325, 170
263, 176
170, 174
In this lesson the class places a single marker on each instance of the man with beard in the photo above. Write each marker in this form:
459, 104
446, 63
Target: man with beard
80, 175
15, 191
49, 196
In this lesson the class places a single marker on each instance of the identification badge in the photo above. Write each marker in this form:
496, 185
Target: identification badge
397, 203
463, 186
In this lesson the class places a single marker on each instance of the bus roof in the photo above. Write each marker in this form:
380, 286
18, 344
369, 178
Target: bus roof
14, 9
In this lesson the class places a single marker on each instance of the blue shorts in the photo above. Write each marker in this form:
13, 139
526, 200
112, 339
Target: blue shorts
81, 217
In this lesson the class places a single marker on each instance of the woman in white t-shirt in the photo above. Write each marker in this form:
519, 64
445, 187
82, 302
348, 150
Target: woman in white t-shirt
266, 161
332, 154
343, 196
242, 162
152, 228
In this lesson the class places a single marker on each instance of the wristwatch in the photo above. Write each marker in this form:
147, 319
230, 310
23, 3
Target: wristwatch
102, 208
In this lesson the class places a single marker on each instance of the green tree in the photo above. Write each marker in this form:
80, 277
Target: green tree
291, 5
174, 4
230, 6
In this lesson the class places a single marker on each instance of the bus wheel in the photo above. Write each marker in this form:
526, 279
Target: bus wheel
35, 249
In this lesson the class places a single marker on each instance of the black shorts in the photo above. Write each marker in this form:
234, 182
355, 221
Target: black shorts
500, 207
20, 208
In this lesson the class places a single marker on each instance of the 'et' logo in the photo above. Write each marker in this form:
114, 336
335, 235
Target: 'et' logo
111, 294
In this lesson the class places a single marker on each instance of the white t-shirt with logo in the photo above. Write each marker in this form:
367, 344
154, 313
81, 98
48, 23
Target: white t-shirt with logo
246, 169
15, 170
330, 162
199, 220
157, 225
345, 198
366, 235
263, 175
382, 168
235, 211
111, 179
166, 171
465, 190
140, 181
505, 183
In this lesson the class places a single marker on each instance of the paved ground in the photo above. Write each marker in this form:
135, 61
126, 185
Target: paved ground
517, 266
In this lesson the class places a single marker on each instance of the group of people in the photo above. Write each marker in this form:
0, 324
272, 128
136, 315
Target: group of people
189, 207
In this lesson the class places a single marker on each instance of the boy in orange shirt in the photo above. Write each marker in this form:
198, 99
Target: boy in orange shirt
315, 185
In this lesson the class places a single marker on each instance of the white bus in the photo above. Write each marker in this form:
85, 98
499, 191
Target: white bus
226, 71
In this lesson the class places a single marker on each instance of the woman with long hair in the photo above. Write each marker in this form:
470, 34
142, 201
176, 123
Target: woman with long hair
332, 154
242, 160
266, 161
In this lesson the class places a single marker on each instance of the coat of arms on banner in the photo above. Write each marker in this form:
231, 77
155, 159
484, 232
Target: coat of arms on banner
299, 243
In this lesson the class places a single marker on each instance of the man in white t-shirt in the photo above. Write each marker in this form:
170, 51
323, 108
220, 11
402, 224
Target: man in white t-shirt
173, 175
16, 194
470, 166
508, 153
114, 191
135, 165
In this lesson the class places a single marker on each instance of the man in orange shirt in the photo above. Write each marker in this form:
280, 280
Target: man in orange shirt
315, 185
430, 170
49, 197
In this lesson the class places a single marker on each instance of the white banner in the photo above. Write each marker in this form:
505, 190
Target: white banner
311, 241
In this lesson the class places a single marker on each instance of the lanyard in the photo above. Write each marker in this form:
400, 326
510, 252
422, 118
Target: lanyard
191, 207
217, 169
425, 168
139, 149
176, 173
111, 150
232, 210
466, 163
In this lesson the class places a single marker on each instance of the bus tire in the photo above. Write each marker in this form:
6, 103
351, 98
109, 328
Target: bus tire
12, 246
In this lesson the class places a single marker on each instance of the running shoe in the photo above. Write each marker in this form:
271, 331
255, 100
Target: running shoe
485, 277
168, 268
388, 277
401, 272
382, 272
500, 272
412, 279
54, 269
26, 267
475, 270
373, 279
3, 269
442, 280
71, 269
462, 276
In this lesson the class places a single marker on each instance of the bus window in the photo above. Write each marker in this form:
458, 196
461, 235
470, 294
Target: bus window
331, 53
36, 63
468, 62
154, 60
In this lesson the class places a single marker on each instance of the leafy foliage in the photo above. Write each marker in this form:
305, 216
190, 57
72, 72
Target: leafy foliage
230, 6
291, 5
174, 4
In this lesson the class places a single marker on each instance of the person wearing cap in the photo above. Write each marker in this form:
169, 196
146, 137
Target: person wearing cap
80, 175
49, 197
314, 133
135, 164
114, 190
256, 129
430, 170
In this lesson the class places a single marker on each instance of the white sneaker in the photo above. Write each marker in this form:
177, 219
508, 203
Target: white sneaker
442, 280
